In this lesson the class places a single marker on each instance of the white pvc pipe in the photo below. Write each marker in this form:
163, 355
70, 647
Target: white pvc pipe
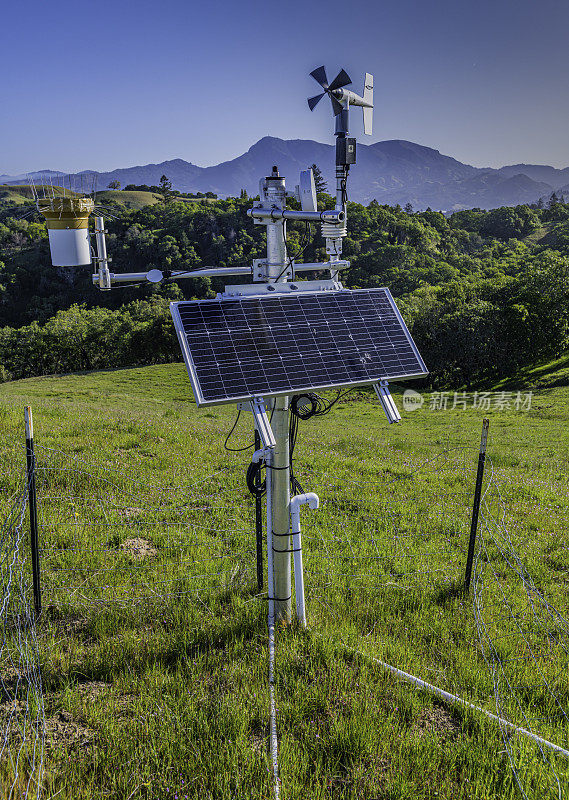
295, 503
452, 698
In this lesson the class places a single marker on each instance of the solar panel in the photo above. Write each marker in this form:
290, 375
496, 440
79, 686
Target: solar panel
239, 348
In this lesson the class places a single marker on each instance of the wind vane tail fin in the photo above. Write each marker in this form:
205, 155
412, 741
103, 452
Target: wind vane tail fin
368, 97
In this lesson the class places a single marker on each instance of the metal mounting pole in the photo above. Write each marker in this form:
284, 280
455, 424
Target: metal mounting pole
31, 475
103, 274
276, 231
476, 505
280, 502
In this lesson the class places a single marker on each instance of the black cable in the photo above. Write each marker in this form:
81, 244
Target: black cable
235, 449
302, 247
318, 405
252, 471
314, 406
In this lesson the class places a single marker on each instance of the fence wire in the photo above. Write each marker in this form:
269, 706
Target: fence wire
520, 583
384, 559
107, 537
22, 728
388, 552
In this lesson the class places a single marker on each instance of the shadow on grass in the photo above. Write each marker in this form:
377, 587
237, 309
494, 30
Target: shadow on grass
96, 650
448, 594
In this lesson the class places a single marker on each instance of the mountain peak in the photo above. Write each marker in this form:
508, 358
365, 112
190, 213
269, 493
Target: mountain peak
392, 171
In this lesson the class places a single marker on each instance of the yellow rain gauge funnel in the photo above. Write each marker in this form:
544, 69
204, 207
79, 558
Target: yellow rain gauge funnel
68, 228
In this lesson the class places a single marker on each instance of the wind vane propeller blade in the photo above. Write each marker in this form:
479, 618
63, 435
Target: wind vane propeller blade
313, 101
319, 75
337, 107
341, 79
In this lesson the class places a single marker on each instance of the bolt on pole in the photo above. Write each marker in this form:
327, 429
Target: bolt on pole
476, 504
31, 476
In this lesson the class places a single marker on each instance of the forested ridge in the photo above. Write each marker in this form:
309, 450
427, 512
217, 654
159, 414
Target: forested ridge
484, 292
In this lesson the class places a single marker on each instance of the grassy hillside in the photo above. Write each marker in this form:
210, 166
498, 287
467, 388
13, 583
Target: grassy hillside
169, 697
133, 201
22, 193
539, 376
129, 200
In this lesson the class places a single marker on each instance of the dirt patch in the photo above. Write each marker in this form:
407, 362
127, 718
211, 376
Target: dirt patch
16, 722
75, 627
259, 737
91, 690
131, 513
62, 730
14, 681
138, 548
437, 720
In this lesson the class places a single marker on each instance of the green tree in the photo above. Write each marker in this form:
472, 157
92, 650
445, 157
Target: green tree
319, 182
114, 185
165, 188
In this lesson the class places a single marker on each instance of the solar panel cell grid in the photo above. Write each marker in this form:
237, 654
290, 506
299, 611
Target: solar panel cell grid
240, 348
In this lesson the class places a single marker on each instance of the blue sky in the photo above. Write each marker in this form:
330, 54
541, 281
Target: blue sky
102, 85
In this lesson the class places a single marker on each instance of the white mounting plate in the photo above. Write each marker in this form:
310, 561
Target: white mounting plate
290, 287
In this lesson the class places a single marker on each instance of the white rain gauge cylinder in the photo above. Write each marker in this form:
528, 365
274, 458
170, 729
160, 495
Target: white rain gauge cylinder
68, 229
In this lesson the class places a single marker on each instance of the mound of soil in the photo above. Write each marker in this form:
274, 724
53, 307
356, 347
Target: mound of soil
138, 548
437, 720
62, 729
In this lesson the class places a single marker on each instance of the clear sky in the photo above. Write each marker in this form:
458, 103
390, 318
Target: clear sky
114, 83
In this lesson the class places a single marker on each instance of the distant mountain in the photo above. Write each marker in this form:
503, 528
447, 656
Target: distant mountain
42, 174
391, 172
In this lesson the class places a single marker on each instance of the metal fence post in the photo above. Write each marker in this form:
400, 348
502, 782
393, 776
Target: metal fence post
476, 505
259, 520
31, 476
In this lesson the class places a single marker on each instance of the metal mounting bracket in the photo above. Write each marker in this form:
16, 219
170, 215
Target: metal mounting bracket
262, 422
388, 403
260, 269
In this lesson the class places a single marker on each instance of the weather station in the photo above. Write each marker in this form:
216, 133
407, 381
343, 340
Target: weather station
271, 343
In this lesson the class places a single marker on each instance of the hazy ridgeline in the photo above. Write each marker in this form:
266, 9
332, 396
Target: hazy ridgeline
484, 292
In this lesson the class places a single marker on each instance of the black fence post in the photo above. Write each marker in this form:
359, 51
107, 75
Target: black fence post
31, 475
476, 505
259, 519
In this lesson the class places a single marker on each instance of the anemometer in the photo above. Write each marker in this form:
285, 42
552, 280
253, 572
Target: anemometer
270, 343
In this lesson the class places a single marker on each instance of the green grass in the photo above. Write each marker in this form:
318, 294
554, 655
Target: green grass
23, 193
171, 693
133, 200
130, 200
540, 376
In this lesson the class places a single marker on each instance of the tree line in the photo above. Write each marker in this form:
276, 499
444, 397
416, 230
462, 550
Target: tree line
484, 292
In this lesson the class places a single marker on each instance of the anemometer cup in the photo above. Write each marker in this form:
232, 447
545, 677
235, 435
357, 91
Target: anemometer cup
67, 220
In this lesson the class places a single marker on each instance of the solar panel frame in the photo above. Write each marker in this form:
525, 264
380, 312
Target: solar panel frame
236, 398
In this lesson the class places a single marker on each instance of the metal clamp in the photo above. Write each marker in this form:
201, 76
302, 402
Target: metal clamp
262, 422
388, 403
